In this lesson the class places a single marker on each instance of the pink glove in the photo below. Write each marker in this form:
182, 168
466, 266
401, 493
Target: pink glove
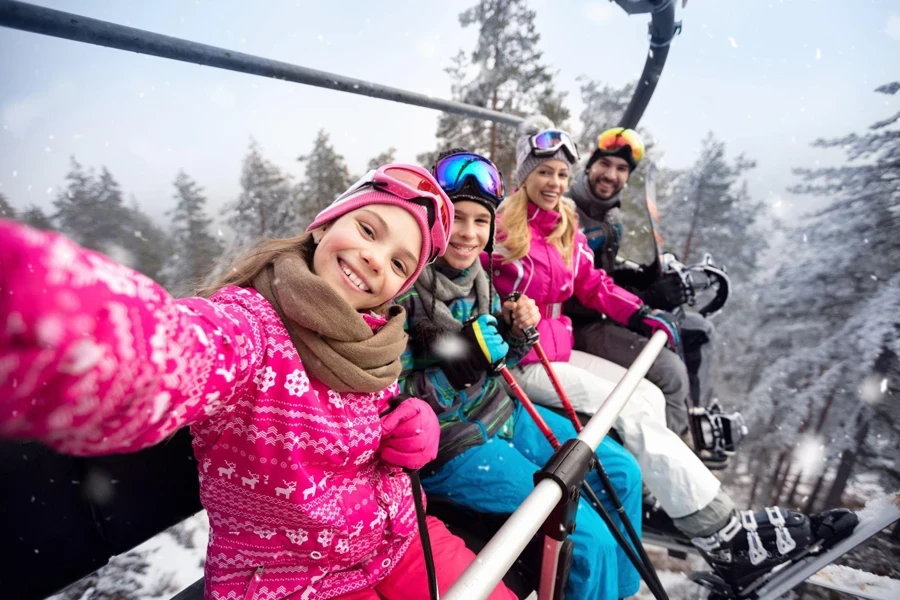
647, 321
410, 435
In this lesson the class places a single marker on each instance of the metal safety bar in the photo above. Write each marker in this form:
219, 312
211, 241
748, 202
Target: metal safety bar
491, 564
70, 26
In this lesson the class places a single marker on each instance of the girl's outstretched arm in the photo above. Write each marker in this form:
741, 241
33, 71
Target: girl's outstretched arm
96, 358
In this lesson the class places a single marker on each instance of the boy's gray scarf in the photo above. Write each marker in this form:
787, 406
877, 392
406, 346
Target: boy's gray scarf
437, 290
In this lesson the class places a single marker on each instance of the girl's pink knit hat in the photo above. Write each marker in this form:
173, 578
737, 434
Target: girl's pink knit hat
368, 196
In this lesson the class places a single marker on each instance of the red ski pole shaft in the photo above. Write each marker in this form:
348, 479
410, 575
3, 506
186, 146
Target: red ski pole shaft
522, 397
567, 405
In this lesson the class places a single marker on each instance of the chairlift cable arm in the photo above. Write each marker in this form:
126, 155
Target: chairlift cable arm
57, 23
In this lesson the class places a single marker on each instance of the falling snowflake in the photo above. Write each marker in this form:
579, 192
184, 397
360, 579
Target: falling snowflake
450, 347
265, 379
297, 383
872, 389
733, 42
810, 454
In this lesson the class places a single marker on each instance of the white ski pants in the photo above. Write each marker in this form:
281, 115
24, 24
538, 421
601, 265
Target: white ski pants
671, 470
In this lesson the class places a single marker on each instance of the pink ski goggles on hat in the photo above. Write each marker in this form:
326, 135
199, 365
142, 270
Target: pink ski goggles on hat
413, 184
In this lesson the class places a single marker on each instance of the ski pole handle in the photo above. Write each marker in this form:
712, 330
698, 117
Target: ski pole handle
531, 334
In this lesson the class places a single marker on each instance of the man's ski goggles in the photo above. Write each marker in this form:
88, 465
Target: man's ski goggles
616, 138
453, 171
416, 185
549, 142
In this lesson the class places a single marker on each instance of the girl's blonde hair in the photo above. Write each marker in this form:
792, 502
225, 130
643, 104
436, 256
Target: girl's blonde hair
515, 236
251, 261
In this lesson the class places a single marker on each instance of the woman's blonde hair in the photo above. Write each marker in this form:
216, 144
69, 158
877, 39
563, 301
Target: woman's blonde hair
251, 261
515, 236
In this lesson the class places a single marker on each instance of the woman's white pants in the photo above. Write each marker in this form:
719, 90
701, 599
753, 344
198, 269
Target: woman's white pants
679, 480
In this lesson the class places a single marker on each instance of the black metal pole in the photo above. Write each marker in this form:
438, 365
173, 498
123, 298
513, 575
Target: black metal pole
639, 560
629, 528
56, 23
663, 30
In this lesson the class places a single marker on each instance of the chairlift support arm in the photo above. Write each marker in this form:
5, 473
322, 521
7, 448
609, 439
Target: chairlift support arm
61, 24
663, 29
57, 23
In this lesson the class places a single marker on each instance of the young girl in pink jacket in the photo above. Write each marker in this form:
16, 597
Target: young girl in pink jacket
285, 369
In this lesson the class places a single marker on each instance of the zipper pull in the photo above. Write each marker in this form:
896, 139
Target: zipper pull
250, 594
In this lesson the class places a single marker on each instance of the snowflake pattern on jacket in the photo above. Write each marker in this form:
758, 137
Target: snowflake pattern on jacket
98, 359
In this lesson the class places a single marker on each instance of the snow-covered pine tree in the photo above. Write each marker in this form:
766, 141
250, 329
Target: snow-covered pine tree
385, 158
37, 218
120, 579
145, 241
326, 177
114, 213
6, 209
709, 209
194, 248
91, 211
79, 212
604, 105
831, 332
265, 206
511, 77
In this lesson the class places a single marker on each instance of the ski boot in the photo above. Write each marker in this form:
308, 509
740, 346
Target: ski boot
751, 545
658, 524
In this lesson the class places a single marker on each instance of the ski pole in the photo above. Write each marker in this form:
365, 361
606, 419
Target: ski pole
567, 406
645, 570
576, 422
601, 472
416, 484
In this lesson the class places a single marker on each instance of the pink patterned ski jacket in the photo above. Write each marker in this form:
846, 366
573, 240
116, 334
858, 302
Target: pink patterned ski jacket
97, 359
543, 276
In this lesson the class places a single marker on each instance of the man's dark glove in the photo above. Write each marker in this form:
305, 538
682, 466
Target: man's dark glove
665, 293
465, 357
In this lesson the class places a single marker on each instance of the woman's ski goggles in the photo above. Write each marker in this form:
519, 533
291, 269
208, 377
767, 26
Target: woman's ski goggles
549, 142
616, 138
452, 172
416, 185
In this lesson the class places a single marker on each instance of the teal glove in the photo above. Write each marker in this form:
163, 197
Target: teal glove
486, 334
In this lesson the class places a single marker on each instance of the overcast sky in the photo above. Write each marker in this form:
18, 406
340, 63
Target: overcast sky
767, 76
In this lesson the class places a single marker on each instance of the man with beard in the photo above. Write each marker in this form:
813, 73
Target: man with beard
597, 196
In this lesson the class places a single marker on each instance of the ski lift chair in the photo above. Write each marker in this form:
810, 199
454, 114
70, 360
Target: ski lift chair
67, 516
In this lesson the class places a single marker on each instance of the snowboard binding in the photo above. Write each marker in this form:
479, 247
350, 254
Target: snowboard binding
715, 433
